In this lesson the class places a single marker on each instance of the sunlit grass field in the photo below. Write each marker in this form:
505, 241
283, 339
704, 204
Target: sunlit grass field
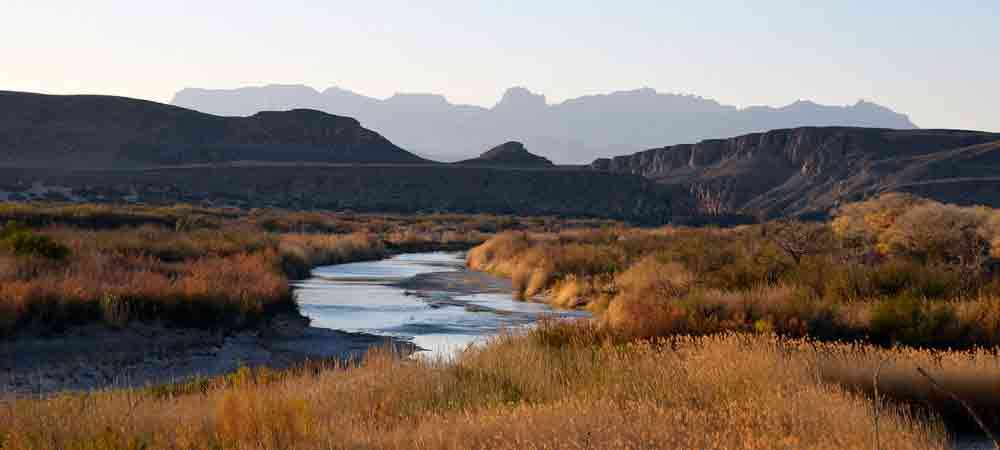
570, 386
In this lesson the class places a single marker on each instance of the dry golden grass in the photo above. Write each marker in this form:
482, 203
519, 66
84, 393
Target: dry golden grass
972, 375
228, 277
582, 385
723, 392
535, 263
302, 252
213, 279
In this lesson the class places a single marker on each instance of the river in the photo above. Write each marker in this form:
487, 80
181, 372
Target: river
430, 299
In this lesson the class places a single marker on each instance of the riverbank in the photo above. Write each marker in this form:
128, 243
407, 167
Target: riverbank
97, 357
140, 354
552, 388
69, 265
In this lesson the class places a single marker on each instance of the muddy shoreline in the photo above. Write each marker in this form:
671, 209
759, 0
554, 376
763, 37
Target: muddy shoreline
97, 357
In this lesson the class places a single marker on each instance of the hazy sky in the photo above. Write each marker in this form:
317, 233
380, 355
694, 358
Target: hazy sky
938, 61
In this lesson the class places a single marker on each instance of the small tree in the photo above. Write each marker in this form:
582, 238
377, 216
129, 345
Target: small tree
800, 239
862, 225
936, 231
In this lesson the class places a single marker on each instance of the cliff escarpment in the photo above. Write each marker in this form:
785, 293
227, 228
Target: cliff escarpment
813, 169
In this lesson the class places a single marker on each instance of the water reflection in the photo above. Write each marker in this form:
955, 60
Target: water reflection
362, 297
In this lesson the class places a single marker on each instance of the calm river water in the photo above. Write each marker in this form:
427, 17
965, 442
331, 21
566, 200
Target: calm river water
438, 317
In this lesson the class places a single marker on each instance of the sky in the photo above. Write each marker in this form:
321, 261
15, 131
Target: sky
937, 61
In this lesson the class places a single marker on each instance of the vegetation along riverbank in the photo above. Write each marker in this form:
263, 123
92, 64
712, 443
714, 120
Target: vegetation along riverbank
95, 296
63, 265
780, 335
909, 283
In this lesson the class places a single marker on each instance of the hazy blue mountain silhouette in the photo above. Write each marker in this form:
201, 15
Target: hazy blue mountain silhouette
575, 131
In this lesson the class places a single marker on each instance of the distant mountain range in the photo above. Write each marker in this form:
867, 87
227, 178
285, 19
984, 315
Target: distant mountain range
572, 132
93, 131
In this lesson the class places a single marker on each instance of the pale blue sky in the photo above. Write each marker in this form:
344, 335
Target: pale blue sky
938, 61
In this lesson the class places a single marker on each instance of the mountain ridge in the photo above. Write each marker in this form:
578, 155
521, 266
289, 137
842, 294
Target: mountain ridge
813, 169
573, 131
121, 150
77, 131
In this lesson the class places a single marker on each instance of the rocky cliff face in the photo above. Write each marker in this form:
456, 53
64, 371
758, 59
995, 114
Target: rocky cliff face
84, 131
812, 169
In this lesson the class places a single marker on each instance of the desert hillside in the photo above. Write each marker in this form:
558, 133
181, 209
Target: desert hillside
90, 131
510, 154
812, 169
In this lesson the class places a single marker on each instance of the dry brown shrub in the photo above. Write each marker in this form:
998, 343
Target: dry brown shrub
646, 304
325, 249
651, 276
938, 231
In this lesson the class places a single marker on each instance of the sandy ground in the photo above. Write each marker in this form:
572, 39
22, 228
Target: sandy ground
97, 357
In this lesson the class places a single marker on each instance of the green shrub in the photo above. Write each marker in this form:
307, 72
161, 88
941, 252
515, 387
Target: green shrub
22, 242
744, 265
849, 282
910, 320
917, 280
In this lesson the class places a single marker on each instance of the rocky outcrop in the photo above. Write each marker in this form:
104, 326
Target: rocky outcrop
812, 169
510, 154
89, 131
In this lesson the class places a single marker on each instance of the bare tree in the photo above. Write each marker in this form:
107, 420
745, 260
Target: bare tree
800, 239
